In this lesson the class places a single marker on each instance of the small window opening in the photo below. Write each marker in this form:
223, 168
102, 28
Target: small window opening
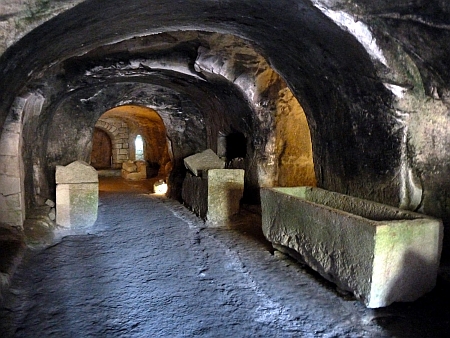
139, 146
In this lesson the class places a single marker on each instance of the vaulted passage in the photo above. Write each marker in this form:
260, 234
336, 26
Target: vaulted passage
345, 96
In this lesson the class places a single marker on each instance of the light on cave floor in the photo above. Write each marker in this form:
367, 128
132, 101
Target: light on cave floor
160, 187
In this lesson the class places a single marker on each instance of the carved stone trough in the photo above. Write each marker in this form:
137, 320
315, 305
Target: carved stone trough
379, 253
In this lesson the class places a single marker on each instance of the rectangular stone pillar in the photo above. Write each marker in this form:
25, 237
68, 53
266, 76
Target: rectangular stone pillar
225, 190
76, 195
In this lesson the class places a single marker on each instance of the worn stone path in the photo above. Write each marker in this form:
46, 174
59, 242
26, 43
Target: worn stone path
149, 268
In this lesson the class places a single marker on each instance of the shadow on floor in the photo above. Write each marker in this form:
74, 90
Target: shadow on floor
427, 317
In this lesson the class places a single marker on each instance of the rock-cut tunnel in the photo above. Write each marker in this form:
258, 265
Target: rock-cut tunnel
342, 95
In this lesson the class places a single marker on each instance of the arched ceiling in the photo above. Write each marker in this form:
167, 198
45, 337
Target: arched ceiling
87, 52
312, 46
186, 47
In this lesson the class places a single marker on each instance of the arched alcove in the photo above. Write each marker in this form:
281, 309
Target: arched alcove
293, 143
101, 155
140, 136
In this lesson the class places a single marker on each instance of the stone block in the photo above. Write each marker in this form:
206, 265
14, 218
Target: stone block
76, 205
11, 212
13, 127
129, 166
9, 165
76, 195
13, 202
134, 170
76, 172
9, 185
52, 214
15, 218
141, 166
134, 176
203, 161
225, 190
50, 203
10, 144
380, 253
195, 194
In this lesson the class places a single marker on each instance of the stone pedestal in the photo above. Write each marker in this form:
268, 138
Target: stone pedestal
225, 190
76, 195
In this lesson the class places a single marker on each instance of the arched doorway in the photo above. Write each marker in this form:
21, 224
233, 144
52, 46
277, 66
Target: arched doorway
101, 150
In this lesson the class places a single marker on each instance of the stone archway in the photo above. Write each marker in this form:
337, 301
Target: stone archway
117, 130
125, 123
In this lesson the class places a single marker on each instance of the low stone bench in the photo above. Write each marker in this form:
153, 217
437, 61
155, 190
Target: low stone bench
380, 253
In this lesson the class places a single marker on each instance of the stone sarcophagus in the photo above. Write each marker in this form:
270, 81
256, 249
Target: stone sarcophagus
379, 253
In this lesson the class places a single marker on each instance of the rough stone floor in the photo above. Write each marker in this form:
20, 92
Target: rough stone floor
149, 268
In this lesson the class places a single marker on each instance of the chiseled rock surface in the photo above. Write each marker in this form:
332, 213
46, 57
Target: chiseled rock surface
203, 161
18, 17
225, 191
380, 253
194, 194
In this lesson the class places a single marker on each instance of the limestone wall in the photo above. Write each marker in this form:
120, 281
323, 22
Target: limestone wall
12, 194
